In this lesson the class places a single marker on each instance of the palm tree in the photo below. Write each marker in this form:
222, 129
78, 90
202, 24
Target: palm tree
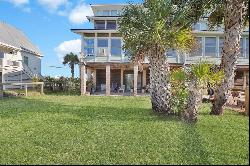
71, 59
234, 15
235, 12
149, 30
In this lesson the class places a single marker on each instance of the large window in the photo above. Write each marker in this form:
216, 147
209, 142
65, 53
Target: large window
197, 51
100, 24
114, 13
89, 47
210, 46
102, 43
221, 42
116, 47
247, 47
111, 25
106, 13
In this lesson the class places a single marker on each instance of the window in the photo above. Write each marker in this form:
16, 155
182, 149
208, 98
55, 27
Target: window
210, 46
197, 51
116, 47
171, 53
241, 48
100, 24
89, 35
1, 54
115, 35
196, 26
111, 25
247, 48
102, 35
102, 43
106, 13
221, 42
203, 26
89, 47
99, 13
114, 13
26, 60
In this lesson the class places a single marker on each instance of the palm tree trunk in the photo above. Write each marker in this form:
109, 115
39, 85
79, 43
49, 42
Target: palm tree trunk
72, 67
235, 11
194, 97
159, 81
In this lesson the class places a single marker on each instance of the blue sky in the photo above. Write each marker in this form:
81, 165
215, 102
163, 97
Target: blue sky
47, 24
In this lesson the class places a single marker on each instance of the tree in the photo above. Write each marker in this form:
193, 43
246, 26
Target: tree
149, 30
198, 76
234, 15
71, 59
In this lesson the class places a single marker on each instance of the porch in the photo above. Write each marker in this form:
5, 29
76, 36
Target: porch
114, 79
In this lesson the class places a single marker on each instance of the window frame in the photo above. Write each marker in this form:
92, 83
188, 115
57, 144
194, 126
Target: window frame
92, 47
121, 51
216, 48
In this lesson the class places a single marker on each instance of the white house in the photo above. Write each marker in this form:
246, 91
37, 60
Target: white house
20, 60
105, 60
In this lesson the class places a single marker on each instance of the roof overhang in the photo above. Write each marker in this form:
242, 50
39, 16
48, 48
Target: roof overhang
81, 31
9, 47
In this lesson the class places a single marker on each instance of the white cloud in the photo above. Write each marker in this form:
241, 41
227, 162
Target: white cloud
79, 13
18, 2
67, 47
53, 4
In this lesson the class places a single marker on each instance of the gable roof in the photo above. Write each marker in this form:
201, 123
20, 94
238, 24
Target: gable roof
12, 36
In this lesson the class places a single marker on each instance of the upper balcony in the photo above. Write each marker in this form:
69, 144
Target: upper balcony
108, 10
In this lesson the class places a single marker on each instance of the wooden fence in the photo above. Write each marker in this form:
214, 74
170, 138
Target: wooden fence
22, 84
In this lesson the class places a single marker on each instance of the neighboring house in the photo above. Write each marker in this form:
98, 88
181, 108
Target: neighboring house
20, 60
107, 64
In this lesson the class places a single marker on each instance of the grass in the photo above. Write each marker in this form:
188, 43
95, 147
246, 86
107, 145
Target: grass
115, 130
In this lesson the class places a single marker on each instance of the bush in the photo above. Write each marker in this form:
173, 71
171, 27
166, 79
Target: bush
62, 84
179, 91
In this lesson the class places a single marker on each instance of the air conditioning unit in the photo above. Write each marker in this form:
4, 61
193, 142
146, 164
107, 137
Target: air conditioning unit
102, 51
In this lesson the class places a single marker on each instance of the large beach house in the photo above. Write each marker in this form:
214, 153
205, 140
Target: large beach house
20, 60
105, 62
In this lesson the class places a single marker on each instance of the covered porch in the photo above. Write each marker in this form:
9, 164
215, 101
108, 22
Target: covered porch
114, 79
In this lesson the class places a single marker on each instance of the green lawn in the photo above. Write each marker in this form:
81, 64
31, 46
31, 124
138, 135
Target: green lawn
115, 130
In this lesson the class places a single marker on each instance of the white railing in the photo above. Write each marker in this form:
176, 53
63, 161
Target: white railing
18, 83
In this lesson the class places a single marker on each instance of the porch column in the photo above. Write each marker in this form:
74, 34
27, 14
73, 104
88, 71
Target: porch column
107, 79
135, 79
122, 76
244, 80
83, 79
144, 77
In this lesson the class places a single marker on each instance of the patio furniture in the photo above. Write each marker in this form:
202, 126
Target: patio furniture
122, 89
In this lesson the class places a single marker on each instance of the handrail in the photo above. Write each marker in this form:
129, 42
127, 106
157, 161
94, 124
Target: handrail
22, 83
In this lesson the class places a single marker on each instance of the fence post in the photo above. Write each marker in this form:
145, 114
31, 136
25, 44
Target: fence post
26, 90
42, 88
247, 101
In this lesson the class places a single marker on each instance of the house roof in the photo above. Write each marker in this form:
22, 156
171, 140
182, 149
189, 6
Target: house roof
12, 36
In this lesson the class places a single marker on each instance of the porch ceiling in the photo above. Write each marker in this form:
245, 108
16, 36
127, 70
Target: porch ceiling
125, 66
